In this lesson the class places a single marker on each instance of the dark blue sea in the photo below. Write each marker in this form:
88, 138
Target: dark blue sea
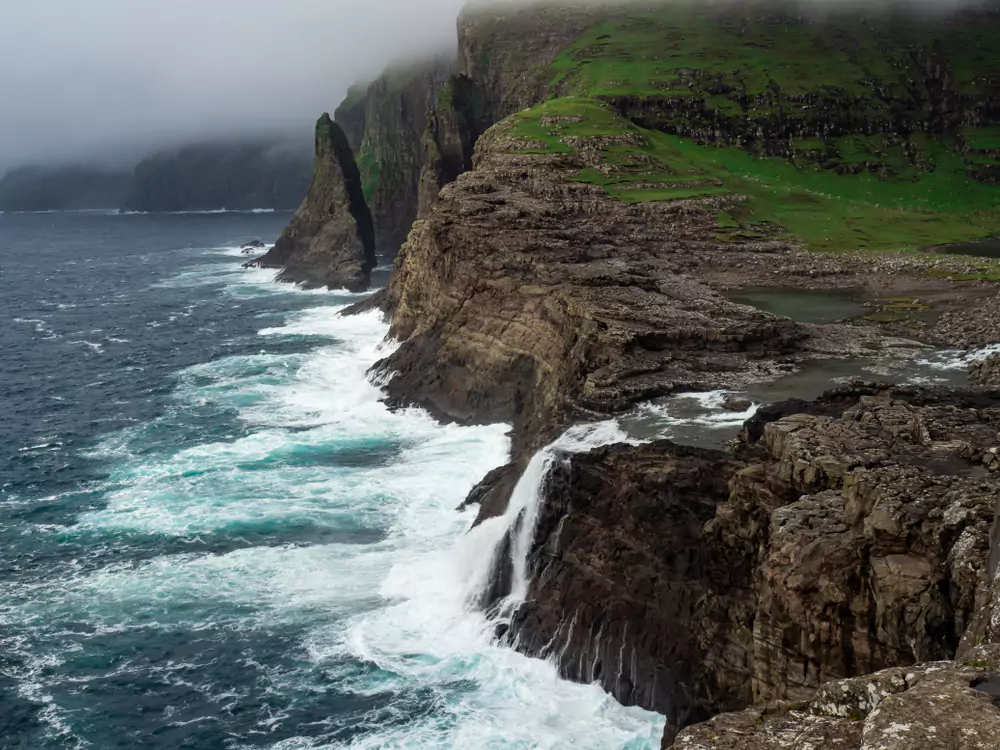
212, 533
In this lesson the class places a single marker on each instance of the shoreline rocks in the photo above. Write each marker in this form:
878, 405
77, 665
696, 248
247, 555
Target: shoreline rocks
841, 537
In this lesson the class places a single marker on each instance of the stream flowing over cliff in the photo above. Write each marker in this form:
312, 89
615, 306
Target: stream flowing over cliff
579, 207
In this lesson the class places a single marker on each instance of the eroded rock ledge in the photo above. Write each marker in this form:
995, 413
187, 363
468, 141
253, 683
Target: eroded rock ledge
841, 537
331, 241
934, 706
530, 297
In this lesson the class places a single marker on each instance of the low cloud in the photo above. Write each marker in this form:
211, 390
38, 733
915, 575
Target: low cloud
104, 81
109, 80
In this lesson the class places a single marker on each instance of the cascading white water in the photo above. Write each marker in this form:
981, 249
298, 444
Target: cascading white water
956, 359
521, 515
286, 546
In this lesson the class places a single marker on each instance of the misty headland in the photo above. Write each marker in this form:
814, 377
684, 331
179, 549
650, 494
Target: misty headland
628, 376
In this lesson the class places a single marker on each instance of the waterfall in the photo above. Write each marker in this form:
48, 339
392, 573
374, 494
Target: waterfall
488, 540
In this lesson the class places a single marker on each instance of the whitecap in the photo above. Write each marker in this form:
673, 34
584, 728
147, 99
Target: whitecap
399, 601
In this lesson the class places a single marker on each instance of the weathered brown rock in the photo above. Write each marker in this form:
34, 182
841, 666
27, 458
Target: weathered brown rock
525, 296
986, 371
446, 146
933, 706
832, 544
622, 579
330, 241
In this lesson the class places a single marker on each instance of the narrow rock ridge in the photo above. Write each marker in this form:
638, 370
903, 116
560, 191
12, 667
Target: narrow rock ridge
330, 242
840, 538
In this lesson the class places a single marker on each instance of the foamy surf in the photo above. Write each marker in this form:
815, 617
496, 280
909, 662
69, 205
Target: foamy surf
337, 585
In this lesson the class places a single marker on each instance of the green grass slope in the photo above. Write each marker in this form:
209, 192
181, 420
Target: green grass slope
821, 208
843, 131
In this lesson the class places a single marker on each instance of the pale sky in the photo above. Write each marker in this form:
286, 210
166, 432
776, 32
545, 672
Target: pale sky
92, 79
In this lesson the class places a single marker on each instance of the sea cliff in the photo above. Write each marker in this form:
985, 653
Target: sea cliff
589, 188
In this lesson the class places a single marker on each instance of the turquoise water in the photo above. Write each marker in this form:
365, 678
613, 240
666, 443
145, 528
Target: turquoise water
214, 535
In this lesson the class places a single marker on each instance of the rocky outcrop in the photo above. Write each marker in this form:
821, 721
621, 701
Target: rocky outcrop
842, 537
331, 241
506, 52
986, 371
623, 583
933, 706
526, 296
240, 176
453, 127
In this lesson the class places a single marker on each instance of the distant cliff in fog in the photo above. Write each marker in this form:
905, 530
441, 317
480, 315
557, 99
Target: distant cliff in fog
62, 188
205, 177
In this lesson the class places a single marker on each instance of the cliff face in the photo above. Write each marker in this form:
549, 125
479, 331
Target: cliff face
507, 53
214, 176
926, 707
528, 296
331, 240
849, 536
843, 93
385, 125
575, 270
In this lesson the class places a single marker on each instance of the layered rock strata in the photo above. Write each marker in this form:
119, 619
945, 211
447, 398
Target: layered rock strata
385, 124
842, 537
986, 371
331, 241
526, 296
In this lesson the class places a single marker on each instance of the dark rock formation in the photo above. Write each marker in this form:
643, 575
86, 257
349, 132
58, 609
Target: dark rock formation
221, 176
527, 296
330, 242
934, 706
453, 127
621, 577
506, 51
832, 544
385, 126
61, 188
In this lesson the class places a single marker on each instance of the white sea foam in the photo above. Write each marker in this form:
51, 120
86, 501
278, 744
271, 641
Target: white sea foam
398, 599
482, 544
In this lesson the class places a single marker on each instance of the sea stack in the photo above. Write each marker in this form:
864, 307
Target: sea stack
331, 240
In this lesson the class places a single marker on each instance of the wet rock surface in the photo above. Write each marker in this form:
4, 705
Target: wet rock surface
330, 242
841, 537
986, 371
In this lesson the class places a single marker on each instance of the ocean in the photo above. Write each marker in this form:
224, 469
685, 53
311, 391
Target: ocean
214, 535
